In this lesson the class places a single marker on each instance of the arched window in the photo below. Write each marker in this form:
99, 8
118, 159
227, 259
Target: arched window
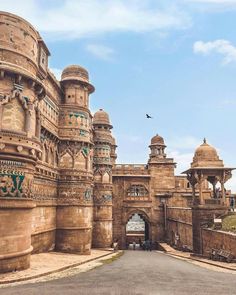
137, 190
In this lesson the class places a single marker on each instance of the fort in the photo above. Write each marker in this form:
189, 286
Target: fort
60, 186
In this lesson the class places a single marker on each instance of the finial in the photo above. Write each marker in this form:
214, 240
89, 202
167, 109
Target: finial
204, 140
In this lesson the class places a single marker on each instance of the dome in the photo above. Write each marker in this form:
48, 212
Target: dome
101, 117
113, 141
206, 156
76, 73
157, 140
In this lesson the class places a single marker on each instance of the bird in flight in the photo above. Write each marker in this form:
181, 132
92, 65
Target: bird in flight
148, 116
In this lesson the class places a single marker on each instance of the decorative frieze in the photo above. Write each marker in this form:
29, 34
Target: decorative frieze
102, 199
15, 184
72, 194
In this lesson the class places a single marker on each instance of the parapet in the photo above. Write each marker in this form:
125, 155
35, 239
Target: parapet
22, 49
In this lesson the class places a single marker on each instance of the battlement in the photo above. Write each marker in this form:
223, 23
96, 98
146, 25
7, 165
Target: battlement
130, 170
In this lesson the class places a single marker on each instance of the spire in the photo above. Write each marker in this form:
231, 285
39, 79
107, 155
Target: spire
204, 140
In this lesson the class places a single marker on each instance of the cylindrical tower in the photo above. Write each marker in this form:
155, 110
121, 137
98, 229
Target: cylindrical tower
102, 165
75, 207
113, 151
21, 89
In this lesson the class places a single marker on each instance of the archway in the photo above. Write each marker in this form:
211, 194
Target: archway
137, 230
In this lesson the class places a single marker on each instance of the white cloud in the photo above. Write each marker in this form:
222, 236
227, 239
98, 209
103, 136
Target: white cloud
100, 51
79, 18
221, 46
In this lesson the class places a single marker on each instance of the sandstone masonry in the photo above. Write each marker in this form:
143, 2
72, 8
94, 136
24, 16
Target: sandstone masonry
60, 186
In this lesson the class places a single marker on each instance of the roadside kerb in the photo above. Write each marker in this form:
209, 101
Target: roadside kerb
3, 282
206, 261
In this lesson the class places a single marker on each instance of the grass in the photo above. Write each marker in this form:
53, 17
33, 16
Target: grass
108, 260
229, 223
113, 258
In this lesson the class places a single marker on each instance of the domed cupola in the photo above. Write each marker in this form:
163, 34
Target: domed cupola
76, 86
157, 140
101, 118
77, 74
206, 156
207, 167
102, 127
157, 147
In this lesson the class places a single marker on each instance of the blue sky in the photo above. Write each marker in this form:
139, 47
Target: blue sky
175, 60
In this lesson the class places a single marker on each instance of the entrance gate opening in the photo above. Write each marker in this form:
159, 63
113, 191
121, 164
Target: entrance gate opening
137, 230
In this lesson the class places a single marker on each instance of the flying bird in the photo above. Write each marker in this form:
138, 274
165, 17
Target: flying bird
148, 116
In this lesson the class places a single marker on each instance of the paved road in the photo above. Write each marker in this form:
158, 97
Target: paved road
137, 272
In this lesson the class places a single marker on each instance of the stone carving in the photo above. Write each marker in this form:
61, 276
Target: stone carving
80, 160
74, 155
15, 185
19, 148
102, 170
137, 190
73, 132
19, 112
16, 93
27, 188
13, 181
88, 195
103, 199
75, 195
72, 148
42, 192
50, 148
74, 119
99, 160
8, 164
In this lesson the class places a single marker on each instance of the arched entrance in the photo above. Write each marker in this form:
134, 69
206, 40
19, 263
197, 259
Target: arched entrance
137, 229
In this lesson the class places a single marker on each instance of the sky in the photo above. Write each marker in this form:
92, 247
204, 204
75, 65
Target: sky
175, 60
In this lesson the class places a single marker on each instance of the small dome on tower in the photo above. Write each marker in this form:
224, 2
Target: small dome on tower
157, 140
206, 156
76, 73
101, 117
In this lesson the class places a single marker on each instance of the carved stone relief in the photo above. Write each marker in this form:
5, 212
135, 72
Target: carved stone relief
14, 182
75, 195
